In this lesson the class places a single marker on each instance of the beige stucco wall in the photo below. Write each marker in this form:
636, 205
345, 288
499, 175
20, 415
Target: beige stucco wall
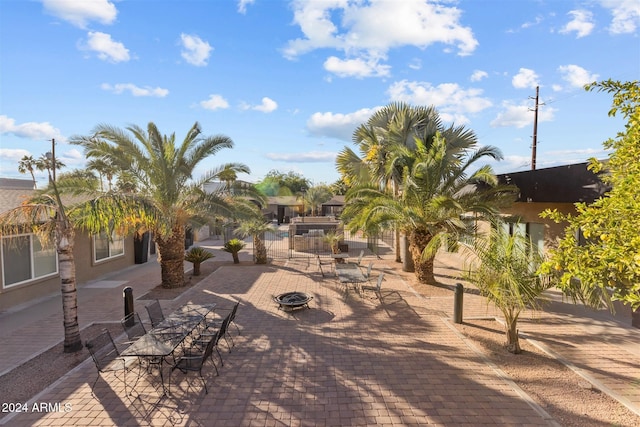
530, 212
86, 270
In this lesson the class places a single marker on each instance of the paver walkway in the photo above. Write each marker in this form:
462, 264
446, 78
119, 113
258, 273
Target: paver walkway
393, 360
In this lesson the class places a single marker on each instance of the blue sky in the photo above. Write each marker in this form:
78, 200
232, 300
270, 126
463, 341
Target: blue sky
289, 81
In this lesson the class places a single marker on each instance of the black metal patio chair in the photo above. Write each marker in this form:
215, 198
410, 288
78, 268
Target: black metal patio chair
133, 327
107, 359
193, 361
155, 313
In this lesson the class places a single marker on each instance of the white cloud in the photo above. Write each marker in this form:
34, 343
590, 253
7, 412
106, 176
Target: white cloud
358, 67
337, 125
30, 130
107, 49
525, 79
79, 13
268, 105
582, 23
195, 50
478, 75
135, 90
576, 76
415, 64
310, 157
521, 115
242, 5
626, 15
215, 102
452, 101
355, 29
13, 154
537, 20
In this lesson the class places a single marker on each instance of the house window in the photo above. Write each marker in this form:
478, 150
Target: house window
532, 230
105, 247
24, 258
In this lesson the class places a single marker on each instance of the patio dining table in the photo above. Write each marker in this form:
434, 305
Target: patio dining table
161, 341
350, 274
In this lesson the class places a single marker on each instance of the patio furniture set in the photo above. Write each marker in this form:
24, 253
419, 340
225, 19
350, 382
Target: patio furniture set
350, 273
183, 340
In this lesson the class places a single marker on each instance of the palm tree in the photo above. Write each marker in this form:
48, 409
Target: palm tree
316, 196
105, 171
234, 246
397, 124
256, 227
43, 163
162, 172
436, 192
503, 267
27, 164
197, 255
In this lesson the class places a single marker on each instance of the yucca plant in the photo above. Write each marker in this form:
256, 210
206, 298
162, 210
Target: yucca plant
197, 256
234, 246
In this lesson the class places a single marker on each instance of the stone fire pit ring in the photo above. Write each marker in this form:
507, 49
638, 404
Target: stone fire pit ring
292, 300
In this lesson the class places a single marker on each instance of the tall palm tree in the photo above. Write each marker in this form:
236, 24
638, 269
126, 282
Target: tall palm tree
436, 190
162, 171
27, 164
397, 124
105, 171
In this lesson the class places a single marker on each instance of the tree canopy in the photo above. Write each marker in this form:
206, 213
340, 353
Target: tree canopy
276, 183
606, 266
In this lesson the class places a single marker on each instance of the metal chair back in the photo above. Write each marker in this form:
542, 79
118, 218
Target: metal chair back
155, 313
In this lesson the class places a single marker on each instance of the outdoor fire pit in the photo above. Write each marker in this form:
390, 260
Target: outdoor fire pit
293, 300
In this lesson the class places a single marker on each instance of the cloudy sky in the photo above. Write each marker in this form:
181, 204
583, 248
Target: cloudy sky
289, 81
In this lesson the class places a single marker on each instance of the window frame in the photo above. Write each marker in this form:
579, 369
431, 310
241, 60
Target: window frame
32, 263
114, 237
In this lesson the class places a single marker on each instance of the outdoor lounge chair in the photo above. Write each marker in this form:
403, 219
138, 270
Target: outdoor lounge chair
368, 273
155, 313
194, 361
320, 263
376, 289
107, 358
359, 261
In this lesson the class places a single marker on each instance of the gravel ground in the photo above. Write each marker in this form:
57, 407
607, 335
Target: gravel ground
568, 398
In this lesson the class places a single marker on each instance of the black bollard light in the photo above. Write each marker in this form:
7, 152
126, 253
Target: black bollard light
127, 295
457, 303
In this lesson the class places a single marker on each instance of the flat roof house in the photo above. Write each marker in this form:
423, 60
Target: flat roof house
29, 271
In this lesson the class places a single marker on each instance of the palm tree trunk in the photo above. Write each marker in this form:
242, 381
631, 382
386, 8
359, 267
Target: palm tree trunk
64, 246
398, 245
513, 341
261, 250
171, 255
418, 240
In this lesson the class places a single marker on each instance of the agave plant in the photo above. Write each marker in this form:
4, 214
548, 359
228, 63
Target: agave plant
197, 256
234, 246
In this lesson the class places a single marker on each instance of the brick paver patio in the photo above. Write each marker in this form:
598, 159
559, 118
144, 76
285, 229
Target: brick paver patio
349, 360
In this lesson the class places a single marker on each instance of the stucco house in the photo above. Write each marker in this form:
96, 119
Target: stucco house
550, 188
29, 271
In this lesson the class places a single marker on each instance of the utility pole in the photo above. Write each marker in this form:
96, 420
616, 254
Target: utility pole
535, 131
53, 158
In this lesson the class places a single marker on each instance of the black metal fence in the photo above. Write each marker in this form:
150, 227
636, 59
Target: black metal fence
280, 244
